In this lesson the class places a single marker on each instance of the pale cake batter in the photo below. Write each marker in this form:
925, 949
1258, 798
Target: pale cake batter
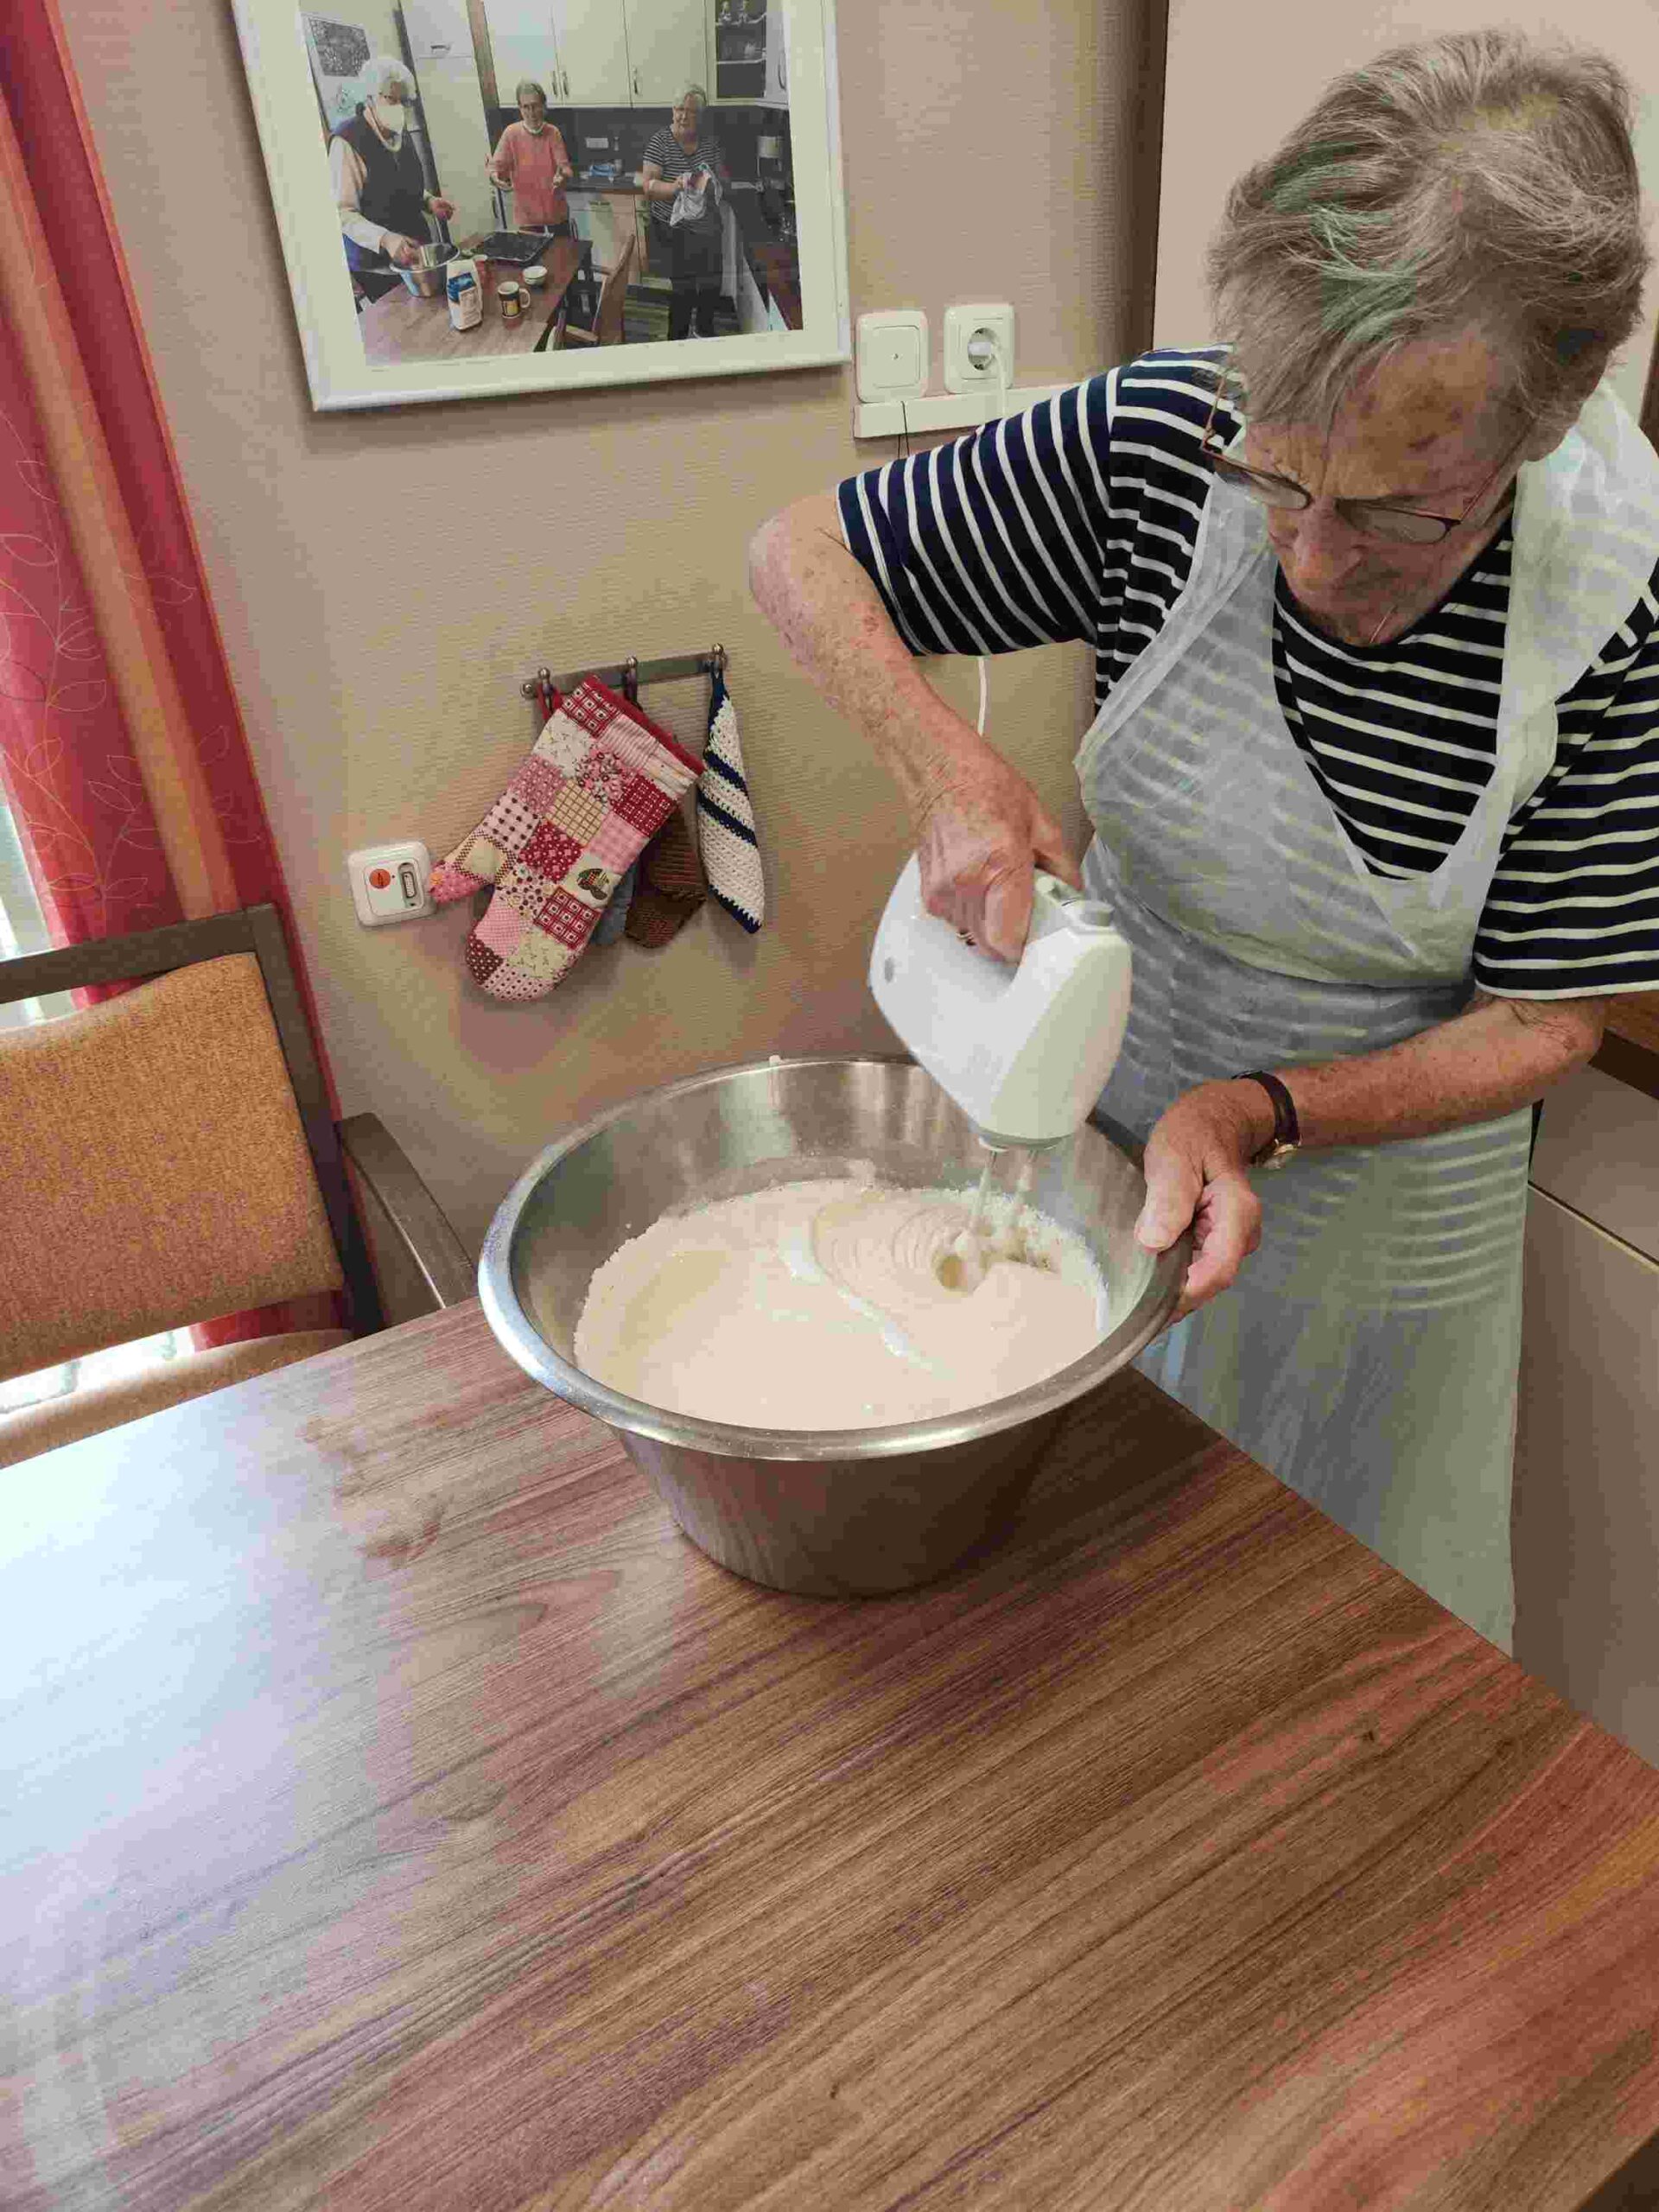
839, 1305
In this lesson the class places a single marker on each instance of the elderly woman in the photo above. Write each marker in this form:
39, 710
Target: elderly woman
1374, 775
531, 162
380, 185
683, 174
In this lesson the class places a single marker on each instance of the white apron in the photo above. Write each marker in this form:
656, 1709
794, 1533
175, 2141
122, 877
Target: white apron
1368, 1353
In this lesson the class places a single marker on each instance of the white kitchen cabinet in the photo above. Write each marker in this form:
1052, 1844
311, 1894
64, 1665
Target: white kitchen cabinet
524, 42
668, 48
583, 222
593, 50
736, 32
777, 93
1597, 1152
1586, 1510
512, 18
521, 56
438, 30
751, 307
731, 251
515, 18
649, 254
605, 219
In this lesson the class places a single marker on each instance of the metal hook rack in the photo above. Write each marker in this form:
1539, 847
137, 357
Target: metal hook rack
626, 675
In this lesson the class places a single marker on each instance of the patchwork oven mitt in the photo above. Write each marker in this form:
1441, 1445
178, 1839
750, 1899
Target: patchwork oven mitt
600, 782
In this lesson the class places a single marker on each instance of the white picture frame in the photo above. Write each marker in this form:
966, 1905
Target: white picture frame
287, 96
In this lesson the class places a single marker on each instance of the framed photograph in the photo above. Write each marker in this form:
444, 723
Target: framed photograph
482, 196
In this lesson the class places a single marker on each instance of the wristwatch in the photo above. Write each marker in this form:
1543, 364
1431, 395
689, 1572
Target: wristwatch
1287, 1130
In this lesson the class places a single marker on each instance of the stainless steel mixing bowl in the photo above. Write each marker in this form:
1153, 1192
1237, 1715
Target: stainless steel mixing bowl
429, 278
832, 1513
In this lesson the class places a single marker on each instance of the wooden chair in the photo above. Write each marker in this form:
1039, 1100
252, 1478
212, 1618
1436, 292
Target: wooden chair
607, 329
168, 1156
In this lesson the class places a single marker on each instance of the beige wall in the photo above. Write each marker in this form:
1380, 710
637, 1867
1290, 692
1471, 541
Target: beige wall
1219, 119
385, 580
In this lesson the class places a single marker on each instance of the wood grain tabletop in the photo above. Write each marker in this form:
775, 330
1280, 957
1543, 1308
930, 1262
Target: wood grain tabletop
399, 1813
401, 326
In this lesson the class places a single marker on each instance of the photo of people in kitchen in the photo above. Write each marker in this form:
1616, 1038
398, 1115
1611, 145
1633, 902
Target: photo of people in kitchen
514, 178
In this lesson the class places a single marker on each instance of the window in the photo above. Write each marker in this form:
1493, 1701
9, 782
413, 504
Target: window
23, 927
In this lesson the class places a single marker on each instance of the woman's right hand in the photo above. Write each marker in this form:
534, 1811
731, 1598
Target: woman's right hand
978, 839
404, 252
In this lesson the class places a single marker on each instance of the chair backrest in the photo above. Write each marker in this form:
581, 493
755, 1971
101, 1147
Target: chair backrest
154, 1167
612, 297
612, 301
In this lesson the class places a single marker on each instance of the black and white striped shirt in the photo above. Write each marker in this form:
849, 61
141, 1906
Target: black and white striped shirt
1077, 521
673, 161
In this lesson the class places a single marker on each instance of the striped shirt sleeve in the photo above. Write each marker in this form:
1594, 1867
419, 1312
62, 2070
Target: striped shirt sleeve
1574, 908
997, 542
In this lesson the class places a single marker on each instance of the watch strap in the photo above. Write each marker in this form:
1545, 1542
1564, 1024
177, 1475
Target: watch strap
1287, 1130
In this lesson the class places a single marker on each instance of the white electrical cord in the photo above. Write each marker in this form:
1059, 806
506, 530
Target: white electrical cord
1001, 409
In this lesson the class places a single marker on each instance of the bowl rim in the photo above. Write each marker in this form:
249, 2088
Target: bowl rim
524, 1341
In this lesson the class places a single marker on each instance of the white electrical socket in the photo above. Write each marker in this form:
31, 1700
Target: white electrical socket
960, 325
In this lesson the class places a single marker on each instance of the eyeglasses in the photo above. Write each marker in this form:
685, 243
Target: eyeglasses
1371, 517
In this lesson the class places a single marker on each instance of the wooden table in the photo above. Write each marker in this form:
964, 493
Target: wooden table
401, 1814
401, 326
1630, 1048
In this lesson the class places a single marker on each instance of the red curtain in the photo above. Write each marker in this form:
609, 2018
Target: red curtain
123, 753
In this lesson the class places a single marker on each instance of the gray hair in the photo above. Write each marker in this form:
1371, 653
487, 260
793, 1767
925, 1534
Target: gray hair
378, 74
693, 92
1480, 180
527, 87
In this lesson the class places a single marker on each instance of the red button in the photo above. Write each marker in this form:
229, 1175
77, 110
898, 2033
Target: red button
379, 878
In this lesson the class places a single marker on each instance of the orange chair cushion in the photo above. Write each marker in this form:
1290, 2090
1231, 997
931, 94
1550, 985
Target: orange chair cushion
153, 1168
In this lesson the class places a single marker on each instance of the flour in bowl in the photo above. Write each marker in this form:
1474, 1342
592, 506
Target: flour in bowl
838, 1304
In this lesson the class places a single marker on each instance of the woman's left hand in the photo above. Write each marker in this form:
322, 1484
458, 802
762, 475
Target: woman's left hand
1197, 1169
443, 209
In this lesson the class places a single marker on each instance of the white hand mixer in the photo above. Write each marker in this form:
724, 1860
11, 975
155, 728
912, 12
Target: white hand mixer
1025, 1051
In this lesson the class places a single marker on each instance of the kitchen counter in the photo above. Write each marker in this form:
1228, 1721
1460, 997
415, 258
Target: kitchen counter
621, 187
402, 1812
